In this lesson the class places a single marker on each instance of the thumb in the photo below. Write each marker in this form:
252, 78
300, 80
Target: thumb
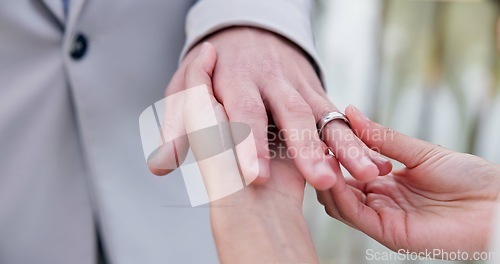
173, 148
201, 110
405, 149
200, 71
220, 173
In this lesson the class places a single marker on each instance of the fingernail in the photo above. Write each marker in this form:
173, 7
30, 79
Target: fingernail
325, 176
203, 48
368, 170
359, 113
380, 159
376, 156
322, 169
365, 161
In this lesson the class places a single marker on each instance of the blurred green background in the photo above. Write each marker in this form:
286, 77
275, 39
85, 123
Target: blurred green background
430, 69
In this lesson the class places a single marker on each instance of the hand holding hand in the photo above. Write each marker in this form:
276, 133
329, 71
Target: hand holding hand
441, 200
260, 73
259, 223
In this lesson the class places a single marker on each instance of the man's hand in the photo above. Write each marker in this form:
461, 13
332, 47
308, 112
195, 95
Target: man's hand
260, 73
441, 200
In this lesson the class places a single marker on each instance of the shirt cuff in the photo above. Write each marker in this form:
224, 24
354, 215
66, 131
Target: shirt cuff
288, 18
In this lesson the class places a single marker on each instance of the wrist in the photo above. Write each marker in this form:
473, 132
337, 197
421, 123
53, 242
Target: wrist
246, 36
253, 221
277, 238
258, 202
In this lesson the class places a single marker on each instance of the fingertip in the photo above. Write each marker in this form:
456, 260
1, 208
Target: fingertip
200, 70
159, 172
384, 165
163, 160
400, 147
260, 180
350, 112
323, 182
358, 120
323, 177
262, 173
207, 50
153, 165
203, 48
384, 168
355, 112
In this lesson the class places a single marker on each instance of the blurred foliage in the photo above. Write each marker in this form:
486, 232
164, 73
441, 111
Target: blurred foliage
447, 53
439, 45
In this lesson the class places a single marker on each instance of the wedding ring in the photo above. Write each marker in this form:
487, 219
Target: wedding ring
329, 117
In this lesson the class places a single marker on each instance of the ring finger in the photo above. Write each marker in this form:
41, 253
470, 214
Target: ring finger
363, 163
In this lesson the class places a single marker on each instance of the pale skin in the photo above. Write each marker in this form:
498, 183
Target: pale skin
264, 223
442, 199
260, 223
260, 73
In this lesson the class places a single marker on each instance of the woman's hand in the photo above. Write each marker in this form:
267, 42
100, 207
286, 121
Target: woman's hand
441, 200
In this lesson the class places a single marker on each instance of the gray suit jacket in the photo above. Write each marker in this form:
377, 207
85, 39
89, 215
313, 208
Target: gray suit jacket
70, 153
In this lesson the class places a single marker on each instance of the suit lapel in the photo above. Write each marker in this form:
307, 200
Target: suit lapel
56, 8
75, 7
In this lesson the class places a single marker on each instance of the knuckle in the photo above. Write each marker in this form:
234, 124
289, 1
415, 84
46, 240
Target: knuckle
296, 105
347, 150
351, 144
251, 108
191, 69
340, 145
322, 108
241, 68
301, 145
386, 138
275, 68
342, 215
424, 154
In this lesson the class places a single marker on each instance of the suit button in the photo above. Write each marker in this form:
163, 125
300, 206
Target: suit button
78, 47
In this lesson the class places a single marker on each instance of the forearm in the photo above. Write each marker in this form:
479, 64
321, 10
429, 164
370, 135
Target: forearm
251, 227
